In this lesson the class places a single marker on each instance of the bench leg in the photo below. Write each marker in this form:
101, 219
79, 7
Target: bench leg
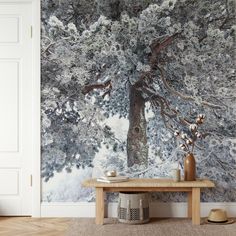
99, 206
190, 204
196, 206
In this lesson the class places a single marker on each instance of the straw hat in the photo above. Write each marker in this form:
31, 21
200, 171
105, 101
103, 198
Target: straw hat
218, 216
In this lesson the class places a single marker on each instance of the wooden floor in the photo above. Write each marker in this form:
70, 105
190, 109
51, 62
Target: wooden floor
27, 226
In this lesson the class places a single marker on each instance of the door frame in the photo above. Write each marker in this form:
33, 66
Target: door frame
36, 103
36, 163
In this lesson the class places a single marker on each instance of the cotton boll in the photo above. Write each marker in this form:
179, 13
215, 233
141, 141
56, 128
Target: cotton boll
189, 141
193, 127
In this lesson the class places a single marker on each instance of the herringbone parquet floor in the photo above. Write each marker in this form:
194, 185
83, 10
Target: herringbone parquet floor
27, 226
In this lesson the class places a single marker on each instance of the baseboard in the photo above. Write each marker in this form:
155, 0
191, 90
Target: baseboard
157, 209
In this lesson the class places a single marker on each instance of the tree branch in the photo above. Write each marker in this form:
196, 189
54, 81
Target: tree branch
165, 105
164, 114
184, 97
156, 47
91, 87
108, 92
227, 18
223, 19
159, 101
47, 48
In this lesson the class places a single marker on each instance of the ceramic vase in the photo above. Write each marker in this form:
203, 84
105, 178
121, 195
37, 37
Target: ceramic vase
189, 168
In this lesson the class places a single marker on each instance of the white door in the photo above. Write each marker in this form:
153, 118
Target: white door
15, 109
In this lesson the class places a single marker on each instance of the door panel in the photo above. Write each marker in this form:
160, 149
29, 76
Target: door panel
12, 186
9, 97
15, 109
10, 26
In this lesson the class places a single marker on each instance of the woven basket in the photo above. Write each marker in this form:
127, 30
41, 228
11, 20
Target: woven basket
133, 207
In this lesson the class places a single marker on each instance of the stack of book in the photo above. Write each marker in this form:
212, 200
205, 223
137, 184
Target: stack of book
116, 179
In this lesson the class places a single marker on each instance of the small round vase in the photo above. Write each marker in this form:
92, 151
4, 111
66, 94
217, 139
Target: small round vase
189, 168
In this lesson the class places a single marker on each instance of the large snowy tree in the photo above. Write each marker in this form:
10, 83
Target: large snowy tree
175, 58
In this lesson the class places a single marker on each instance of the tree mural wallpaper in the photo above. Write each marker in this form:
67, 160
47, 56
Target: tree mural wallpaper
120, 76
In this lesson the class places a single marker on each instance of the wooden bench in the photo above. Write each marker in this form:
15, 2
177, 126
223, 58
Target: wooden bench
193, 189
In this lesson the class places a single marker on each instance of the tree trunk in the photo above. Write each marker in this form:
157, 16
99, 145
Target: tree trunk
137, 149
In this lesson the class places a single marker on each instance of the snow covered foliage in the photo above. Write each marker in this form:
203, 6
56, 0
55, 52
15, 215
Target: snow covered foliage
119, 76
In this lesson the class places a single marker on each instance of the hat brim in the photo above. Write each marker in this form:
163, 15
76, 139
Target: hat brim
229, 221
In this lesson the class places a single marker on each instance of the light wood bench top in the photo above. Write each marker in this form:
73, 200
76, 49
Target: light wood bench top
150, 183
